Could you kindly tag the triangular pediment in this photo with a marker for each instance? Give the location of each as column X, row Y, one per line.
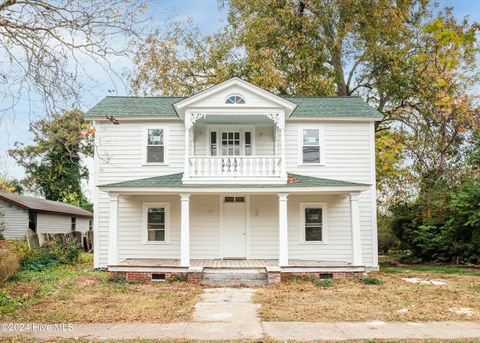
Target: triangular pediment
column 215, row 98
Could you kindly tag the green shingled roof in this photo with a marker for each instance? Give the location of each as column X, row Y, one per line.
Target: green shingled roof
column 307, row 107
column 175, row 180
column 332, row 106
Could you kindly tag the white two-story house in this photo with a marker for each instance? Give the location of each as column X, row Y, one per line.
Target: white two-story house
column 234, row 177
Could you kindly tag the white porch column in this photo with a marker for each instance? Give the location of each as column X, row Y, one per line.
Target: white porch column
column 113, row 230
column 356, row 235
column 283, row 230
column 186, row 171
column 283, row 167
column 185, row 231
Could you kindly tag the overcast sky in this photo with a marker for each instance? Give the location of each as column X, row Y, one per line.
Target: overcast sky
column 205, row 14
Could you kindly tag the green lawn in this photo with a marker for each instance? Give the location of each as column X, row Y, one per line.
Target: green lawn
column 432, row 269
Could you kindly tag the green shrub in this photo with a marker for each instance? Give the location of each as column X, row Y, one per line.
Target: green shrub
column 38, row 259
column 371, row 281
column 324, row 282
column 476, row 288
column 67, row 253
column 19, row 247
column 50, row 255
column 8, row 265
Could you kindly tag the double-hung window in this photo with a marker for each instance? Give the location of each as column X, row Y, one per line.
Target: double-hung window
column 156, row 221
column 312, row 146
column 155, row 145
column 313, row 222
column 73, row 224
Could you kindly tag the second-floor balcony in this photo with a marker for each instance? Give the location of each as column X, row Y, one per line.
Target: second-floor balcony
column 236, row 167
column 221, row 150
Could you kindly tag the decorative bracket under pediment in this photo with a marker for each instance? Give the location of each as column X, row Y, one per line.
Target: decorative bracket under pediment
column 192, row 118
column 277, row 118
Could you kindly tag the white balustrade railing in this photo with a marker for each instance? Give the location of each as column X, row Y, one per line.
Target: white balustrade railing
column 235, row 166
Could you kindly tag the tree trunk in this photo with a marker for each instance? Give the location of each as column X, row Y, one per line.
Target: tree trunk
column 338, row 70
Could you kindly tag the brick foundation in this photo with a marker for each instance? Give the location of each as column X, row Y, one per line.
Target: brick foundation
column 324, row 275
column 274, row 277
column 142, row 276
column 195, row 278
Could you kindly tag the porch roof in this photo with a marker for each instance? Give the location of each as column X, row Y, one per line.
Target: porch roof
column 307, row 107
column 175, row 181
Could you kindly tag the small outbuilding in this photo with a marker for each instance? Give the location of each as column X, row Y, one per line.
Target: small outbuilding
column 19, row 213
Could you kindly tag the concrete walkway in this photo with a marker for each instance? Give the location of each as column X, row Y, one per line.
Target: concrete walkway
column 228, row 313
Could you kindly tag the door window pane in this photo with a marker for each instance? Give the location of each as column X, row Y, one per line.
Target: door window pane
column 213, row 143
column 231, row 143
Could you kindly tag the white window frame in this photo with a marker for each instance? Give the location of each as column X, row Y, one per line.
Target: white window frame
column 221, row 128
column 165, row 145
column 323, row 206
column 235, row 104
column 321, row 141
column 166, row 206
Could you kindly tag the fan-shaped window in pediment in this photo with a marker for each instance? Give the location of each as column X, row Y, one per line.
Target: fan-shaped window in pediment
column 235, row 99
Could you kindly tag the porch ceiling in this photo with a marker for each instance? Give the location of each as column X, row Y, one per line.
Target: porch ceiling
column 234, row 119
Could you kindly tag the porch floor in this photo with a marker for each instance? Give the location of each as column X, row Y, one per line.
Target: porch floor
column 228, row 263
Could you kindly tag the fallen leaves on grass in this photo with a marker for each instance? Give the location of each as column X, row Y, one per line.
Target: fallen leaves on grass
column 349, row 300
column 86, row 300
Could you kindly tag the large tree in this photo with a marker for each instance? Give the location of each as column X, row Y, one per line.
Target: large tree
column 53, row 162
column 44, row 45
column 439, row 111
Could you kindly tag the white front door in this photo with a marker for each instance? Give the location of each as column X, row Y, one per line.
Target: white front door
column 234, row 231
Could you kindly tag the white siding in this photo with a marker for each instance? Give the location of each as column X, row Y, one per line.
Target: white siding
column 15, row 220
column 56, row 223
column 263, row 231
column 348, row 156
column 204, row 228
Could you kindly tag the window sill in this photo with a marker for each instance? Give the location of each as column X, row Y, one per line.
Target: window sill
column 310, row 164
column 154, row 164
column 156, row 242
column 313, row 242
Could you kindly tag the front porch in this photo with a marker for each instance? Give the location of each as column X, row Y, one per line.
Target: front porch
column 162, row 228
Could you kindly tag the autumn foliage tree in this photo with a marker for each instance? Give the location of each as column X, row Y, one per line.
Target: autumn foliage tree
column 414, row 62
column 440, row 112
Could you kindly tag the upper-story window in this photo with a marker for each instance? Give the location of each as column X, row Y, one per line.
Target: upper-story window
column 311, row 145
column 155, row 145
column 235, row 99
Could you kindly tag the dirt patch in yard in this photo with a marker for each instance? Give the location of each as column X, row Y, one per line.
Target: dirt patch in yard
column 23, row 290
column 394, row 300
